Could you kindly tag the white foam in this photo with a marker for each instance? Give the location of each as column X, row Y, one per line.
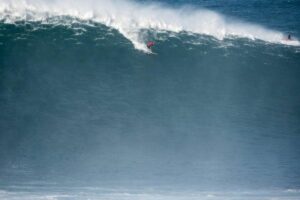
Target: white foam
column 130, row 17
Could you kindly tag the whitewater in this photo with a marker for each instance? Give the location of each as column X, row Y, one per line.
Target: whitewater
column 130, row 18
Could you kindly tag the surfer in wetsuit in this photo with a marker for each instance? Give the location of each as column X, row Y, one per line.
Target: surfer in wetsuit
column 289, row 37
column 150, row 44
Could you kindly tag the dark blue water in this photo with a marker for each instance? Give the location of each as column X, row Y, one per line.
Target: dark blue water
column 86, row 115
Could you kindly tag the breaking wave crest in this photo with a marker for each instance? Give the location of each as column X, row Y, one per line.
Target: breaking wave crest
column 130, row 18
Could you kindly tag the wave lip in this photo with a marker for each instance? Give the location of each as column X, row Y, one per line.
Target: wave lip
column 130, row 18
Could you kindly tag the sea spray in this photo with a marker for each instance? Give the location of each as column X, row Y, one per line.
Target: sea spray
column 130, row 17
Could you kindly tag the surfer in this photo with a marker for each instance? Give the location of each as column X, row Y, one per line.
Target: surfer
column 150, row 44
column 288, row 38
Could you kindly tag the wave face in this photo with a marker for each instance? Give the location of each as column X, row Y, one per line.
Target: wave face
column 86, row 114
column 130, row 18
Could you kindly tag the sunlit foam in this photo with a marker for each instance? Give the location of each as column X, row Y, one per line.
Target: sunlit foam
column 130, row 17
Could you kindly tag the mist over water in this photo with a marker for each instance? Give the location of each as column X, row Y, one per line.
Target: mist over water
column 85, row 114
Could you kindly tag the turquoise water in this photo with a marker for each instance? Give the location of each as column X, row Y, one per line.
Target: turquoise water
column 212, row 112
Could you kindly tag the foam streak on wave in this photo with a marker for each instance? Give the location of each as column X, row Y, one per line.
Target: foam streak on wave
column 129, row 18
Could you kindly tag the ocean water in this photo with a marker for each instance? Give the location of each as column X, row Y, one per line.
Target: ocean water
column 212, row 111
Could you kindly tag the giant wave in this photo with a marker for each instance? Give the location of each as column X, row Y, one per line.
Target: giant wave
column 83, row 114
